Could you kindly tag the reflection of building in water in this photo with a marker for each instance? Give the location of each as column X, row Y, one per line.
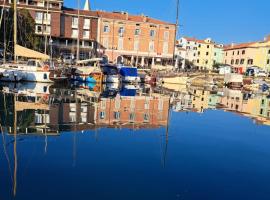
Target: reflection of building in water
column 250, row 105
column 137, row 111
column 80, row 109
column 200, row 99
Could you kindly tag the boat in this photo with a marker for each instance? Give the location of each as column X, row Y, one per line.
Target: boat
column 129, row 74
column 110, row 73
column 233, row 80
column 85, row 72
column 34, row 70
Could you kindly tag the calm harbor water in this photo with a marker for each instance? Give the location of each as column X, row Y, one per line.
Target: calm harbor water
column 102, row 142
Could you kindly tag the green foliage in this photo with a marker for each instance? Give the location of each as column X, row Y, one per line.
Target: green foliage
column 216, row 66
column 25, row 31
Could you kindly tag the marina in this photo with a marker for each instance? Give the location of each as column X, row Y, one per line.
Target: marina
column 134, row 101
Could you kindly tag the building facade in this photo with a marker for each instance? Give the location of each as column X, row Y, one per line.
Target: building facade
column 203, row 54
column 242, row 56
column 135, row 40
column 120, row 37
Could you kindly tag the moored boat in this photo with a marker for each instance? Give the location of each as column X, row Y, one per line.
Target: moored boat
column 129, row 74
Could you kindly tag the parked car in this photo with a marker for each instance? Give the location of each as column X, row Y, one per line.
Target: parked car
column 261, row 73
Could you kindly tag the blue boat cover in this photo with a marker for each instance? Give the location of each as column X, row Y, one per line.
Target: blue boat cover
column 128, row 92
column 129, row 71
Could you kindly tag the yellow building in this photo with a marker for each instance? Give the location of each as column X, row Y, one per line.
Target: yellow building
column 205, row 54
column 262, row 56
column 244, row 55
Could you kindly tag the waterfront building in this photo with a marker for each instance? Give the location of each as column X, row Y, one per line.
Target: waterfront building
column 244, row 55
column 119, row 36
column 203, row 54
column 138, row 111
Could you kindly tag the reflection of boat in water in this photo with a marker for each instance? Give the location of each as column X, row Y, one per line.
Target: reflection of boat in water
column 85, row 72
column 129, row 90
column 129, row 74
column 110, row 73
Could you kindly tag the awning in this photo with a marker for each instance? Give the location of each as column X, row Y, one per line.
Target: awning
column 28, row 53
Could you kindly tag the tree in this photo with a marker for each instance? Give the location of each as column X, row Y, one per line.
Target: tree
column 25, row 32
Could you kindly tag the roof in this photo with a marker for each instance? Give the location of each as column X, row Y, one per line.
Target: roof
column 239, row 46
column 117, row 16
column 191, row 39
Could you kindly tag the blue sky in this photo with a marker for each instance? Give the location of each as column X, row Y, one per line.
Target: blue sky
column 225, row 21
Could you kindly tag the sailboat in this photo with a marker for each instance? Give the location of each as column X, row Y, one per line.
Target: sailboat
column 35, row 70
column 87, row 71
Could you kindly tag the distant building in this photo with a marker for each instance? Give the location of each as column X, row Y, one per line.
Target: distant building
column 244, row 55
column 203, row 54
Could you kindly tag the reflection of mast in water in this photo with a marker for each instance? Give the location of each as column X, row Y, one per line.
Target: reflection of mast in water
column 15, row 149
column 166, row 138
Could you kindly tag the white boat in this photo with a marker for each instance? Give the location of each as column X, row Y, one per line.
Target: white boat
column 32, row 71
column 11, row 75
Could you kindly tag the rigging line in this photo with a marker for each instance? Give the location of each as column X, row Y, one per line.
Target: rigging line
column 2, row 13
column 5, row 151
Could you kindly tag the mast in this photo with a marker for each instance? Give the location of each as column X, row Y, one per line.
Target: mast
column 46, row 37
column 15, row 28
column 78, row 38
column 176, row 29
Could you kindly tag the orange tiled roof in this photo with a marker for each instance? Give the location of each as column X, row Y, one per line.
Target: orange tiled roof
column 238, row 46
column 117, row 16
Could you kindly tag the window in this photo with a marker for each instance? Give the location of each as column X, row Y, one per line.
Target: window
column 74, row 33
column 106, row 29
column 207, row 53
column 215, row 54
column 120, row 44
column 233, row 53
column 39, row 16
column 151, row 46
column 194, row 54
column 86, row 34
column 237, row 61
column 238, row 52
column 199, row 45
column 47, row 17
column 160, row 104
column 166, row 35
column 208, row 46
column 242, row 61
column 75, row 22
column 152, row 33
column 106, row 43
column 250, row 62
column 137, row 31
column 269, row 51
column 268, row 61
column 38, row 28
column 121, row 31
column 86, row 24
column 132, row 116
column 232, row 61
column 199, row 53
column 226, row 53
column 165, row 48
column 225, row 61
column 102, row 115
column 136, row 45
column 243, row 52
column 45, row 76
column 147, row 104
column 146, row 117
column 206, row 62
column 198, row 61
column 117, row 115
